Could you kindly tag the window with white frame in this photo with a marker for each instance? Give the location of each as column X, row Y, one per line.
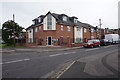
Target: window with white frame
column 75, row 20
column 49, row 22
column 78, row 29
column 64, row 18
column 97, row 30
column 61, row 27
column 92, row 37
column 92, row 30
column 68, row 36
column 29, row 32
column 33, row 22
column 85, row 30
column 39, row 19
column 36, row 29
column 68, row 28
column 39, row 28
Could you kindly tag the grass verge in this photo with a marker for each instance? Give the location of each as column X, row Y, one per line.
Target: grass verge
column 10, row 46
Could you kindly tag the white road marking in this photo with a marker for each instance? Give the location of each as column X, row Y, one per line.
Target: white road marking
column 55, row 55
column 108, row 46
column 67, row 53
column 70, row 53
column 73, row 52
column 92, row 49
column 15, row 61
column 65, row 69
column 27, row 59
column 61, row 54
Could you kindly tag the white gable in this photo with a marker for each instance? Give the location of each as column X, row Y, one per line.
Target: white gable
column 45, row 24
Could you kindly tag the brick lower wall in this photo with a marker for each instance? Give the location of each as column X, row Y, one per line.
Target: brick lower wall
column 56, row 34
column 77, row 44
column 22, row 44
column 31, row 44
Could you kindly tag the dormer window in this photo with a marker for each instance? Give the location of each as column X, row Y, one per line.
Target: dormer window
column 33, row 22
column 97, row 30
column 92, row 30
column 64, row 18
column 75, row 20
column 39, row 19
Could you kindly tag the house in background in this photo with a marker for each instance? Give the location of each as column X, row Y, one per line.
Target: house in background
column 111, row 31
column 89, row 32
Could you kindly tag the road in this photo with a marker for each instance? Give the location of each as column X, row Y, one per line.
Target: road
column 43, row 65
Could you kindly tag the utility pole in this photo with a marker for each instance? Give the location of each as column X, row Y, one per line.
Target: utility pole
column 14, row 29
column 100, row 27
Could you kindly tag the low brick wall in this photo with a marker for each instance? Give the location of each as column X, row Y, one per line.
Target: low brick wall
column 31, row 44
column 21, row 44
column 77, row 44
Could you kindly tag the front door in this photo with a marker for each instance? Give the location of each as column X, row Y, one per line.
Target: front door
column 49, row 41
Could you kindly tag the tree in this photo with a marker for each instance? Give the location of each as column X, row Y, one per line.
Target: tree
column 7, row 31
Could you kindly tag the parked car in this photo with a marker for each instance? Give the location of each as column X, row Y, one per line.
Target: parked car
column 104, row 42
column 92, row 43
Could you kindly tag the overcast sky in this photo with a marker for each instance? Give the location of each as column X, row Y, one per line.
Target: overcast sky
column 87, row 11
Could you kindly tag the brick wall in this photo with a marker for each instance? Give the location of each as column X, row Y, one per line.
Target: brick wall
column 55, row 33
column 86, row 34
column 64, row 33
column 95, row 34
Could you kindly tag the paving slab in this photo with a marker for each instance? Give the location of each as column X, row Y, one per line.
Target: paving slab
column 37, row 49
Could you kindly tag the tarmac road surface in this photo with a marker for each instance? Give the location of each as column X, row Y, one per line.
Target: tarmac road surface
column 43, row 65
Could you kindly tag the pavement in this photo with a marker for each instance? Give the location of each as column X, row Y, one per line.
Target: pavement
column 101, row 65
column 36, row 49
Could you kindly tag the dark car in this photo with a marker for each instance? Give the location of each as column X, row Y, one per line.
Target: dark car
column 104, row 42
column 92, row 43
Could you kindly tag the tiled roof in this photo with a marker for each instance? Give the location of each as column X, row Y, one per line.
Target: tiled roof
column 60, row 21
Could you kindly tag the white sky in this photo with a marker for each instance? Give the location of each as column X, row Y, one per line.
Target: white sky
column 87, row 11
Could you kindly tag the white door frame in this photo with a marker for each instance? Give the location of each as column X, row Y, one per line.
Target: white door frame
column 48, row 41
